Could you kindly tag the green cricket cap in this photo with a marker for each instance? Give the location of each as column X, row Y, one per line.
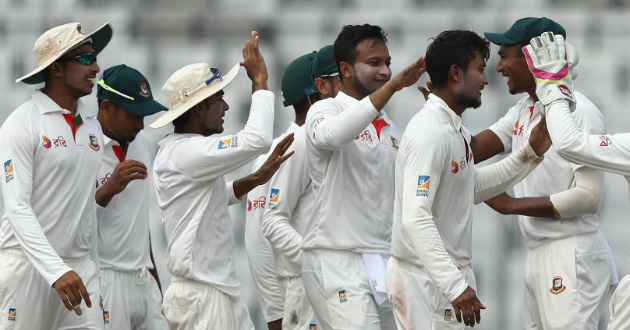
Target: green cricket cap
column 523, row 30
column 296, row 82
column 324, row 64
column 120, row 84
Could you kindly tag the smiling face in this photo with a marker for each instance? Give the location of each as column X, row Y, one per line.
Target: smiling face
column 474, row 80
column 79, row 78
column 513, row 67
column 370, row 70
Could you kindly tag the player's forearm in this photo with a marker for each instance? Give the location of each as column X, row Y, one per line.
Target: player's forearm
column 532, row 206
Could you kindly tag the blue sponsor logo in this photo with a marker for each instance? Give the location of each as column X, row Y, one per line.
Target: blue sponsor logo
column 424, row 181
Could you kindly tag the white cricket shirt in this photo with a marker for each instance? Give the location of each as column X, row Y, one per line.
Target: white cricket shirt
column 193, row 195
column 49, row 182
column 554, row 174
column 352, row 169
column 123, row 225
column 289, row 207
column 437, row 185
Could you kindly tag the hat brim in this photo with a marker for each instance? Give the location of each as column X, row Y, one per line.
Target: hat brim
column 100, row 39
column 146, row 108
column 196, row 98
column 499, row 39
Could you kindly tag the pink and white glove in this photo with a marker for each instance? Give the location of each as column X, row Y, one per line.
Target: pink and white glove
column 547, row 60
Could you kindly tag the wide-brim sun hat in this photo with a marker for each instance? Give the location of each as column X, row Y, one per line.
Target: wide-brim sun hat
column 191, row 85
column 58, row 41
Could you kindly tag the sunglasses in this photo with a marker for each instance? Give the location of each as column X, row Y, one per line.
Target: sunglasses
column 216, row 74
column 101, row 82
column 86, row 58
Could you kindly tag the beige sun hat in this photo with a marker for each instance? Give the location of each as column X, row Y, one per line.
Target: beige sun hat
column 190, row 85
column 56, row 42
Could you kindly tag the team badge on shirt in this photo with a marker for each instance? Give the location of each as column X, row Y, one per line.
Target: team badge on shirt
column 423, row 185
column 343, row 296
column 12, row 314
column 8, row 170
column 556, row 285
column 46, row 144
column 228, row 143
column 106, row 316
column 274, row 197
column 94, row 143
column 448, row 315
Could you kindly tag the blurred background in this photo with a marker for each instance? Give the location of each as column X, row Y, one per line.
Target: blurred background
column 159, row 36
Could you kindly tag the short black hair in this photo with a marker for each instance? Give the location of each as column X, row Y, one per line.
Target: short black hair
column 453, row 47
column 345, row 47
column 182, row 120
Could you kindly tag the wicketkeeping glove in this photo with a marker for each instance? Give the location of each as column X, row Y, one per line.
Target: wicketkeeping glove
column 572, row 58
column 546, row 59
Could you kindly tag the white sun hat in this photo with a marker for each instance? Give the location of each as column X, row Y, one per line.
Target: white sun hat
column 189, row 86
column 58, row 41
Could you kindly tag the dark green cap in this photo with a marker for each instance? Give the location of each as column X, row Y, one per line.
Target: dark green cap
column 523, row 30
column 296, row 81
column 129, row 82
column 324, row 63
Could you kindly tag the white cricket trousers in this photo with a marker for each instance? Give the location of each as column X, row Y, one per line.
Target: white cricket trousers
column 417, row 302
column 28, row 302
column 338, row 287
column 620, row 306
column 298, row 313
column 191, row 305
column 131, row 301
column 262, row 266
column 566, row 283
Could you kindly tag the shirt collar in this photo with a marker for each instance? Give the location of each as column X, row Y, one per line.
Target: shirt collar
column 436, row 102
column 46, row 104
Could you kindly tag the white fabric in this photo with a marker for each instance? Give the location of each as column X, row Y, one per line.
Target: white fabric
column 584, row 198
column 298, row 313
column 352, row 170
column 123, row 226
column 417, row 302
column 565, row 283
column 289, row 207
column 338, row 287
column 609, row 152
column 375, row 265
column 190, row 305
column 260, row 254
column 48, row 172
column 131, row 301
column 193, row 196
column 555, row 174
column 436, row 186
column 27, row 301
column 620, row 306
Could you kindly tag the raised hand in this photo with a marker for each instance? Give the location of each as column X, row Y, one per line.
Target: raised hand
column 277, row 157
column 547, row 60
column 410, row 74
column 254, row 63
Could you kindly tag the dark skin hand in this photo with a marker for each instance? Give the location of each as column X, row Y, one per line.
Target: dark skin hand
column 124, row 173
column 244, row 185
column 426, row 90
column 539, row 139
column 71, row 290
column 467, row 308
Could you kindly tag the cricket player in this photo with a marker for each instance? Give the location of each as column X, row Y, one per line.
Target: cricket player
column 193, row 195
column 430, row 282
column 129, row 283
column 351, row 145
column 290, row 198
column 546, row 58
column 52, row 150
column 556, row 204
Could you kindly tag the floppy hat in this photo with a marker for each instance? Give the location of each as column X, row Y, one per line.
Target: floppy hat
column 126, row 86
column 296, row 82
column 523, row 30
column 190, row 85
column 56, row 42
column 324, row 63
